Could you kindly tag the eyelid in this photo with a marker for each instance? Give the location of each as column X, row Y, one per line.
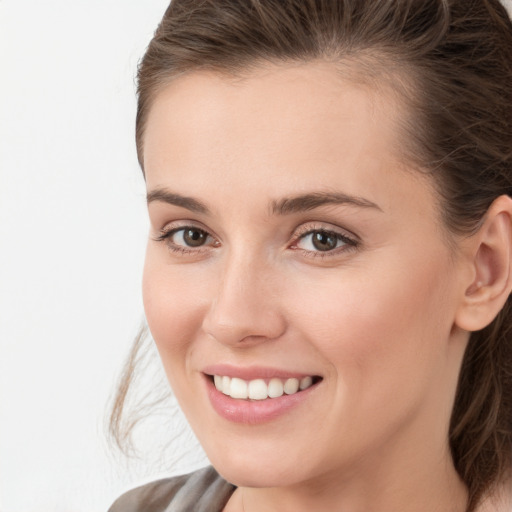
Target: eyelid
column 309, row 227
column 174, row 226
column 170, row 229
column 350, row 239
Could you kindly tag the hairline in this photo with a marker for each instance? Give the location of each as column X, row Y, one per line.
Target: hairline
column 377, row 70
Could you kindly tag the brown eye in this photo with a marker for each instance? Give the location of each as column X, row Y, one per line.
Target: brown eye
column 187, row 238
column 320, row 240
column 194, row 237
column 323, row 241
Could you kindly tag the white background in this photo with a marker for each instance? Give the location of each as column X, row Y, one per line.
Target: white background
column 72, row 240
column 72, row 236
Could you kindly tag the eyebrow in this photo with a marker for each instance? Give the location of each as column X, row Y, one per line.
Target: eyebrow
column 166, row 196
column 285, row 206
column 314, row 200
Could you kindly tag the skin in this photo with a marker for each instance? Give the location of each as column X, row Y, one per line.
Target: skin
column 381, row 318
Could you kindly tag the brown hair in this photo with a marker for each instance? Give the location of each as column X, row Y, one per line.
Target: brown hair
column 457, row 54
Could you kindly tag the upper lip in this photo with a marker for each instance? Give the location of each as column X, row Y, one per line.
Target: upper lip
column 253, row 372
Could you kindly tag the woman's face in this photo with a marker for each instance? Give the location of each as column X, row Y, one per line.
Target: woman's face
column 288, row 241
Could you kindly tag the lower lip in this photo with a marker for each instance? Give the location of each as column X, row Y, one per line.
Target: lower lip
column 252, row 412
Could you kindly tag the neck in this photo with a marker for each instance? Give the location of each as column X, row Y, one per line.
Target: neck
column 439, row 490
column 413, row 471
column 446, row 494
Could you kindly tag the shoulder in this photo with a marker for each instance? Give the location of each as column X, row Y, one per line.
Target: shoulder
column 201, row 491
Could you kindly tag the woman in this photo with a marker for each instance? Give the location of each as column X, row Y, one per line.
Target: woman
column 328, row 268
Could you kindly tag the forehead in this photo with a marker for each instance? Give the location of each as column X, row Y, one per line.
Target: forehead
column 275, row 123
column 307, row 101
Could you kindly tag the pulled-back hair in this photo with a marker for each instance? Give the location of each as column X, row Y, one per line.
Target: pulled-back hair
column 451, row 62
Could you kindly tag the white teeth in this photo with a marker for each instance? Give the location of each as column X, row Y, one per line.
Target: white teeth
column 275, row 388
column 305, row 383
column 238, row 388
column 258, row 389
column 226, row 384
column 291, row 386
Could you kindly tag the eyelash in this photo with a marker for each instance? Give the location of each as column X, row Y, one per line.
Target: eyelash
column 167, row 233
column 349, row 243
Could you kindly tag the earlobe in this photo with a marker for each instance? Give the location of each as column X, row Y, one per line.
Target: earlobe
column 491, row 253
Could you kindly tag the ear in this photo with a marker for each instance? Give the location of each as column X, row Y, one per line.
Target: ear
column 490, row 252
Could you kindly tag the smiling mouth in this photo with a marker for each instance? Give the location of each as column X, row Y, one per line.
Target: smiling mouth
column 261, row 389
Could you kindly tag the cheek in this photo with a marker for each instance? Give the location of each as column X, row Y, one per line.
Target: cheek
column 382, row 328
column 173, row 313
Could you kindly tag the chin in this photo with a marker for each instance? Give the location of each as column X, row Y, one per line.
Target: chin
column 258, row 463
column 244, row 474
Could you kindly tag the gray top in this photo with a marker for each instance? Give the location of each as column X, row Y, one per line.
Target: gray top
column 202, row 491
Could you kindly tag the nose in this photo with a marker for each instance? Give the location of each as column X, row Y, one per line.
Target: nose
column 245, row 305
